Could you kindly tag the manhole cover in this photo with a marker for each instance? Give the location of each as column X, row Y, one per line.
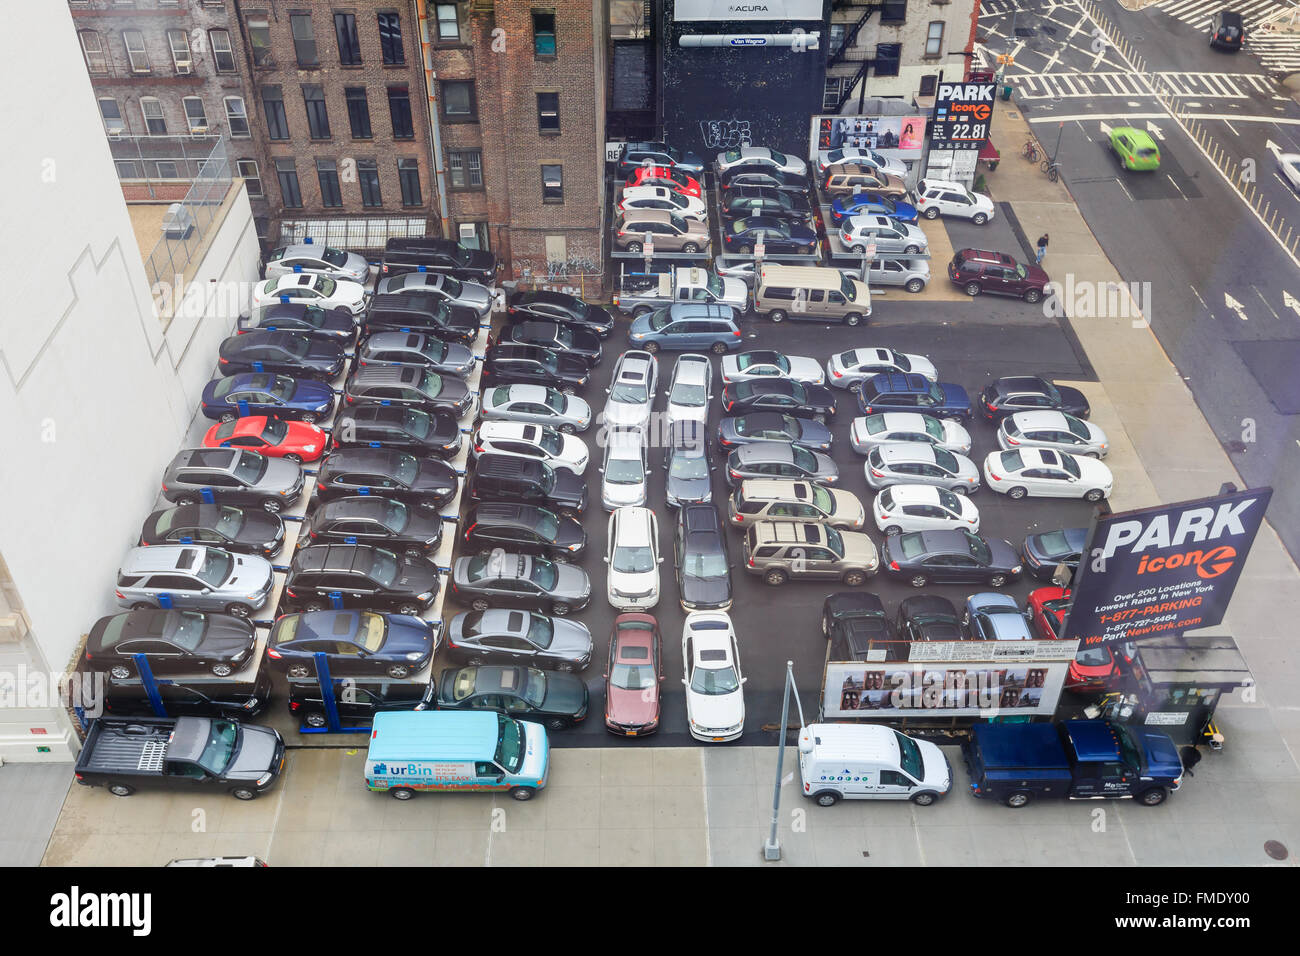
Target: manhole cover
column 1276, row 850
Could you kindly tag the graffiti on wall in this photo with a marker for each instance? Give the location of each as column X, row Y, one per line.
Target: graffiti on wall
column 724, row 133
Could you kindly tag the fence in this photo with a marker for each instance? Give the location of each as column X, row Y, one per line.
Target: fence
column 366, row 235
column 207, row 191
column 159, row 168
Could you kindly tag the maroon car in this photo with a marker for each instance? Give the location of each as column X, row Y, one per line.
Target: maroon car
column 633, row 675
column 977, row 270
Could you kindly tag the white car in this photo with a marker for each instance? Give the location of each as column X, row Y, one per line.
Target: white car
column 765, row 363
column 316, row 259
column 632, row 390
column 715, row 694
column 1044, row 473
column 847, row 369
column 535, row 403
column 761, row 157
column 624, row 474
column 924, row 508
column 861, row 156
column 632, row 553
column 689, row 394
column 935, row 197
column 657, row 197
column 526, row 440
column 308, row 289
column 886, row 428
column 1056, row 430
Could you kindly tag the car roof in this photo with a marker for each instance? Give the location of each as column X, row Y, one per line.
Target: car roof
column 646, row 215
column 692, row 372
column 635, row 527
column 789, row 532
column 523, row 431
column 906, row 451
column 634, row 364
column 388, row 375
column 624, row 443
column 433, row 735
column 345, row 458
column 223, row 458
column 700, row 518
column 926, row 604
column 333, row 557
column 985, row 256
column 900, row 382
column 909, row 494
column 944, row 542
column 1044, row 418
column 784, row 489
column 701, row 310
column 165, row 557
column 1020, row 383
column 765, row 451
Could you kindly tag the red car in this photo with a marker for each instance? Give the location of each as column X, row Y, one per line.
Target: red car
column 1093, row 668
column 273, row 437
column 673, row 179
column 633, row 675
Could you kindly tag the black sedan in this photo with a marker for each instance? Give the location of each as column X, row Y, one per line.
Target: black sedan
column 510, row 364
column 245, row 530
column 780, row 236
column 764, row 200
column 413, row 348
column 503, row 636
column 356, row 643
column 392, row 426
column 703, row 566
column 1043, row 552
column 749, row 175
column 371, row 519
column 780, row 395
column 335, row 325
column 556, row 700
column 556, row 336
column 950, row 557
column 928, row 617
column 170, row 641
column 735, row 430
column 1030, row 393
column 534, row 305
column 292, row 353
column 427, row 482
column 856, row 624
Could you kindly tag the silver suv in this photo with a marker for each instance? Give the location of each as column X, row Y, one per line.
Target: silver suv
column 232, row 476
column 194, row 578
column 780, row 550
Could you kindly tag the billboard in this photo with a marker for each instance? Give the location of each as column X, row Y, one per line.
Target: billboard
column 1163, row 570
column 943, row 689
column 752, row 11
column 897, row 137
column 963, row 113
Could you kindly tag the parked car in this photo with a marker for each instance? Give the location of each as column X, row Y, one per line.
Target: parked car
column 1094, row 667
column 1056, row 430
column 1047, row 549
column 413, row 348
column 1043, row 473
column 458, row 292
column 1227, row 30
column 777, row 459
column 511, row 478
column 976, row 271
column 624, row 472
column 573, row 340
column 368, row 697
column 172, row 641
column 433, row 254
column 632, row 554
column 780, row 394
column 232, row 476
column 375, row 520
column 639, row 292
column 261, row 393
column 529, row 365
column 536, row 442
column 391, row 472
column 244, row 530
column 751, row 174
column 765, row 201
column 736, row 430
column 499, row 577
column 950, row 557
column 1021, row 393
column 356, row 643
column 848, row 369
column 764, row 499
column 916, row 507
column 857, row 204
column 863, row 761
column 761, row 157
column 230, row 699
column 670, row 177
column 911, row 274
column 862, row 157
column 532, row 305
column 715, row 693
column 649, row 155
column 700, row 553
column 558, row 701
column 662, row 198
column 535, row 403
column 897, row 392
column 337, row 325
column 935, row 197
column 518, row 637
column 767, row 363
column 317, row 290
column 316, row 259
column 690, row 471
column 415, row 430
column 779, row 236
column 408, row 386
column 780, row 550
column 291, row 353
column 920, row 463
column 422, row 313
column 632, row 390
column 270, row 437
column 888, row 235
column 686, row 326
column 844, row 179
column 855, row 624
column 890, row 428
column 671, row 232
column 927, row 617
column 526, row 528
column 360, row 576
column 633, row 674
column 193, row 578
column 691, row 389
column 1134, row 148
column 991, row 616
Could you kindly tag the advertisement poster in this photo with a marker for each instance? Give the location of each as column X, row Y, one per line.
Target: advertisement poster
column 942, row 689
column 897, row 137
column 1163, row 570
column 963, row 113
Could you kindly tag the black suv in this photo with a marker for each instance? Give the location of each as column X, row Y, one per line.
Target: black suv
column 370, row 519
column 764, row 176
column 409, row 386
column 1030, row 393
column 512, row 478
column 421, row 312
column 742, row 201
column 282, row 352
column 246, row 530
column 427, row 482
column 364, row 699
column 525, row 528
column 1227, row 30
column 360, row 576
column 530, row 364
column 977, row 270
column 703, row 566
column 928, row 617
column 856, row 625
column 555, row 336
column 336, row 325
column 438, row 255
column 398, row 426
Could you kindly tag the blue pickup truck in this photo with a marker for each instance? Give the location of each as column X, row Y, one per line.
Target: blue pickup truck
column 1077, row 759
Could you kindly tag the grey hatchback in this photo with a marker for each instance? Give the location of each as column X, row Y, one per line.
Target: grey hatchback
column 232, row 476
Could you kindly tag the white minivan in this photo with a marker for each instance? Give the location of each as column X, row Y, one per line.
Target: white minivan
column 869, row 761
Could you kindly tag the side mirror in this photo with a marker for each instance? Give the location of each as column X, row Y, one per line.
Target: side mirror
column 605, row 559
column 683, row 680
column 744, row 680
column 206, row 591
column 661, row 560
column 606, row 391
column 600, row 471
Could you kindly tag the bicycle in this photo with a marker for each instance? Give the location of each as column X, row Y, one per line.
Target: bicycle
column 1030, row 151
column 1052, row 169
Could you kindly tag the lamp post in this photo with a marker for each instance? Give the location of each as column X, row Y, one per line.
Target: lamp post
column 772, row 848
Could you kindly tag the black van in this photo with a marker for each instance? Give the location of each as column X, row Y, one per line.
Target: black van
column 358, row 700
column 512, row 478
column 421, row 312
column 189, row 697
column 438, row 255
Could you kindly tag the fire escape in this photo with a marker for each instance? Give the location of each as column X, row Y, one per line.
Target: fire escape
column 885, row 58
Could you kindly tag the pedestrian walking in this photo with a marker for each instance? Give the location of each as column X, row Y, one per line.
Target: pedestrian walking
column 1042, row 248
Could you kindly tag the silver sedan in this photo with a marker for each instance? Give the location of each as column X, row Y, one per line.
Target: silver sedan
column 469, row 295
column 317, row 259
column 536, row 403
column 1055, row 430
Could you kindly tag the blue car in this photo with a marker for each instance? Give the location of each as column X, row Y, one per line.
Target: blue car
column 780, row 236
column 690, row 326
column 901, row 392
column 259, row 393
column 870, row 204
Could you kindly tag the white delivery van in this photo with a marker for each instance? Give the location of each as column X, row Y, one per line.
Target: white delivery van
column 412, row 751
column 865, row 761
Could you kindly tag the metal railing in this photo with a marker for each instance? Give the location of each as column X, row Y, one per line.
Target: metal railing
column 208, row 188
column 364, row 234
column 152, row 163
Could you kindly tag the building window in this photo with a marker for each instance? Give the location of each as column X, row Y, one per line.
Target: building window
column 448, row 25
column 92, row 47
column 345, row 32
column 390, row 37
column 833, row 91
column 835, row 37
column 358, row 111
column 934, row 39
column 893, row 11
column 466, row 167
column 287, row 171
column 473, row 235
column 151, row 110
column 399, row 107
column 237, row 117
column 195, row 115
column 304, row 40
column 552, row 183
column 368, row 177
column 328, row 174
column 166, row 169
column 252, row 176
column 458, row 101
column 548, row 112
column 408, row 174
column 543, row 33
column 126, row 169
column 318, row 120
column 135, row 52
column 887, row 57
column 179, row 42
column 223, row 55
column 277, row 124
column 928, row 83
column 259, row 39
column 112, row 114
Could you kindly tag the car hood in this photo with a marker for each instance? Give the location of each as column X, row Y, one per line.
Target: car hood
column 716, row 710
column 250, row 573
column 407, row 635
column 937, row 770
column 422, row 525
column 257, row 748
column 1003, row 554
column 1035, row 275
column 1091, row 471
column 705, row 591
column 621, row 414
column 417, row 575
column 280, row 474
column 956, row 436
column 826, row 467
column 954, row 396
column 1160, row 752
column 858, row 549
column 453, row 389
column 848, row 506
column 807, row 369
column 620, row 495
column 357, row 266
column 632, row 706
column 349, row 292
column 571, row 582
column 309, row 392
column 435, row 475
column 226, row 636
column 569, row 489
column 261, row 527
column 570, row 639
column 565, row 694
column 569, row 532
column 689, row 489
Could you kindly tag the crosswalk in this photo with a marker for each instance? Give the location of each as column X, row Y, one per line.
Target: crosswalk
column 1279, row 51
column 1031, row 86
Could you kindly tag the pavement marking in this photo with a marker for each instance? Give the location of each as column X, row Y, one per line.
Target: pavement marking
column 1154, row 130
column 1121, row 185
column 1235, row 306
column 1229, row 125
column 1291, row 302
column 1192, row 288
column 1265, row 301
column 708, row 829
column 1175, row 185
column 1054, row 118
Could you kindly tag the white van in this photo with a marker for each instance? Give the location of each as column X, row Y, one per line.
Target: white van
column 869, row 761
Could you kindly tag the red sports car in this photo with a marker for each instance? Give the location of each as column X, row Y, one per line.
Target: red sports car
column 633, row 675
column 667, row 177
column 1093, row 668
column 273, row 437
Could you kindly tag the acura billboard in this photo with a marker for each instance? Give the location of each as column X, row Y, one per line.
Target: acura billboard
column 1163, row 570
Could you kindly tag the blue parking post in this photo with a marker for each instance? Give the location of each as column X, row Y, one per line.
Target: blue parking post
column 165, row 601
column 336, row 600
column 150, row 685
column 257, row 367
column 206, row 495
column 243, row 408
column 327, row 692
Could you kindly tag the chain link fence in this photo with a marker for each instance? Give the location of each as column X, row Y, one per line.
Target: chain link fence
column 189, row 220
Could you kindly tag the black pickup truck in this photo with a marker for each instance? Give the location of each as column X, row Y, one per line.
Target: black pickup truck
column 183, row 753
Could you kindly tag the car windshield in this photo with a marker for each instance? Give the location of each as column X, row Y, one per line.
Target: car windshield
column 1148, row 152
column 933, row 428
column 370, row 631
column 690, row 396
column 658, row 319
column 274, row 431
column 1093, row 657
column 563, row 338
column 835, row 541
column 383, row 568
column 550, row 441
column 948, row 502
column 406, row 469
column 220, row 747
column 547, row 525
column 249, row 468
column 803, row 458
column 326, row 286
column 715, row 681
column 935, row 392
column 947, row 461
column 849, row 288
column 395, row 515
column 229, row 521
column 555, row 399
column 633, row 676
column 435, row 350
column 541, row 631
column 335, row 257
column 1011, row 461
column 978, row 549
column 822, row 498
column 731, row 155
column 416, row 423
column 1070, row 465
column 633, row 560
column 510, row 745
column 715, row 286
column 632, row 392
column 675, row 198
column 704, row 565
column 113, row 631
column 739, row 226
column 452, row 287
column 189, row 628
column 297, row 345
column 431, row 384
column 678, row 222
column 909, row 757
column 544, row 573
column 778, row 158
column 534, row 689
column 1077, row 428
column 685, row 465
column 216, row 567
column 624, row 471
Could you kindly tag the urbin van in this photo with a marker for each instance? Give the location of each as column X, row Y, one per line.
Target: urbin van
column 814, row 293
column 438, row 750
column 868, row 761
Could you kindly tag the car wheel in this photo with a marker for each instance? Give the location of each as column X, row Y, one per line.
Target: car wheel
column 239, row 610
column 1021, row 798
column 805, row 250
column 997, row 580
column 826, row 628
column 1153, row 797
column 568, row 390
column 1017, row 493
column 892, row 529
column 651, row 347
column 641, row 310
column 522, row 793
column 979, row 219
column 855, row 579
column 244, row 793
column 119, row 672
column 912, row 250
column 914, row 285
column 1094, row 494
column 120, row 790
column 313, row 606
column 973, row 288
column 316, row 720
column 561, row 609
column 633, row 247
column 567, row 428
column 718, row 348
column 227, row 417
column 1033, row 295
column 222, row 670
column 184, row 500
column 410, row 610
column 272, row 505
column 299, row 670
column 690, row 247
column 556, row 723
column 414, row 552
column 827, row 798
column 859, row 249
column 924, row 798
column 399, row 671
column 402, row 793
column 932, row 212
column 475, row 660
column 564, row 667
column 777, row 315
column 745, row 250
column 297, row 458
column 776, row 577
column 480, row 604
column 852, row 319
column 918, row 581
column 309, row 418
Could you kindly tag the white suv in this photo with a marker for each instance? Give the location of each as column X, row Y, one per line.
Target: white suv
column 689, row 393
column 525, row 440
column 632, row 553
column 632, row 390
column 715, row 693
column 936, row 196
column 623, row 480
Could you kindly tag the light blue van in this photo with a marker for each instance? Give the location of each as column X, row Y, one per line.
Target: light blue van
column 412, row 751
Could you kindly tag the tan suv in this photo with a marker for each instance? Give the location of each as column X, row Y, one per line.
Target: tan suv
column 844, row 179
column 810, row 294
column 780, row 550
column 671, row 232
column 783, row 499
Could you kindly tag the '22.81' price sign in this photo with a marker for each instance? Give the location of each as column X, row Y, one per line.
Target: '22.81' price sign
column 963, row 113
